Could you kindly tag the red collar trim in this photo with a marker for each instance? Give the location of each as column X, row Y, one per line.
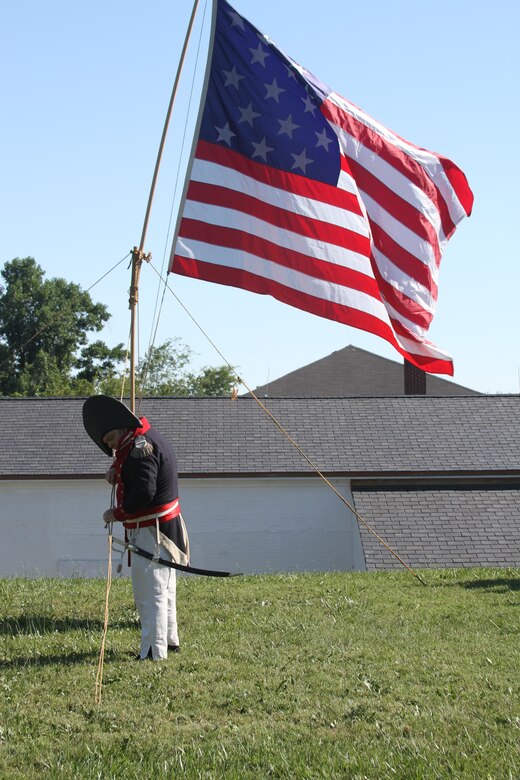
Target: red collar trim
column 128, row 437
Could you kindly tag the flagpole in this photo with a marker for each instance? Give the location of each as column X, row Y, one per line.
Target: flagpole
column 138, row 253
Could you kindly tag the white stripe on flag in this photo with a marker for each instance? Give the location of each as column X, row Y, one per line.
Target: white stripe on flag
column 418, row 247
column 393, row 179
column 404, row 282
column 428, row 160
column 238, row 259
column 424, row 348
column 313, row 248
column 223, row 176
column 415, row 330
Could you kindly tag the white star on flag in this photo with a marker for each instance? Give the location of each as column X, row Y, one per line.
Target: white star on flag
column 232, row 77
column 301, row 161
column 225, row 134
column 259, row 55
column 287, row 126
column 261, row 149
column 247, row 114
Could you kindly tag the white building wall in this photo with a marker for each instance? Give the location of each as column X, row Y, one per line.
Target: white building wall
column 54, row 528
column 269, row 524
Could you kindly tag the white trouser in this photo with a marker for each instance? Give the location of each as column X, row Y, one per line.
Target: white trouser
column 154, row 589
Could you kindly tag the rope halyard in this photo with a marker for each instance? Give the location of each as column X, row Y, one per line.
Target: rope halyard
column 99, row 675
column 291, row 440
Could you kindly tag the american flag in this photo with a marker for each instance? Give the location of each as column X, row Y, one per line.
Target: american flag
column 295, row 192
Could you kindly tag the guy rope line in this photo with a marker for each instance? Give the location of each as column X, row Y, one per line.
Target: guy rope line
column 290, row 438
column 108, row 272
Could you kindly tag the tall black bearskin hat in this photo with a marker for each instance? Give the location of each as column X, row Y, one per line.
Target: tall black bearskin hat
column 102, row 413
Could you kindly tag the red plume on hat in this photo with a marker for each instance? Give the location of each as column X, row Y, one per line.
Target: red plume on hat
column 102, row 413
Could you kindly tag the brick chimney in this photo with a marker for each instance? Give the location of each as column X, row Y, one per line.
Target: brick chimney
column 414, row 380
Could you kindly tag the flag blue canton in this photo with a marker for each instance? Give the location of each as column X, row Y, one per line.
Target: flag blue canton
column 259, row 105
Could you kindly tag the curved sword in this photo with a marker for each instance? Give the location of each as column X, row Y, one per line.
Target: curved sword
column 172, row 565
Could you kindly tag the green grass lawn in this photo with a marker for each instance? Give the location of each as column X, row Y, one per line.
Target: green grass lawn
column 293, row 676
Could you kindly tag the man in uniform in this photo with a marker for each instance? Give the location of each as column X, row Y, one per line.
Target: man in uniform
column 144, row 473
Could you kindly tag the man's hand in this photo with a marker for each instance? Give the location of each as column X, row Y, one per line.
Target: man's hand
column 110, row 475
column 108, row 516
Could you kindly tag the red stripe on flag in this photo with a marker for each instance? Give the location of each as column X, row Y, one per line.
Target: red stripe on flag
column 241, row 241
column 322, row 308
column 397, row 207
column 280, row 216
column 403, row 305
column 281, row 180
column 300, row 300
column 404, row 260
column 459, row 183
column 429, row 364
column 399, row 160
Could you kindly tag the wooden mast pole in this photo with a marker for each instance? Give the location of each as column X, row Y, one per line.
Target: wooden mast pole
column 138, row 253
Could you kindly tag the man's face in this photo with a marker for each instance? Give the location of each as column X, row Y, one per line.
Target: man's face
column 111, row 438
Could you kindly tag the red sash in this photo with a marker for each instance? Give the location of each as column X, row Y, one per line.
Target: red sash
column 150, row 515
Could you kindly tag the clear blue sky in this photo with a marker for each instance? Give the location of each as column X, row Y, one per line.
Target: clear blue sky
column 85, row 88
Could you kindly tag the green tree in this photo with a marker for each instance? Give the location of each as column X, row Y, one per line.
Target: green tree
column 44, row 330
column 218, row 380
column 165, row 371
column 45, row 325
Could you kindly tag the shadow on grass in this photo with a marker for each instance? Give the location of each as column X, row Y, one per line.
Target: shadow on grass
column 498, row 584
column 25, row 625
column 64, row 659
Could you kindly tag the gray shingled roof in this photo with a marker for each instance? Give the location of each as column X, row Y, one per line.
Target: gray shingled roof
column 352, row 371
column 442, row 527
column 418, row 435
